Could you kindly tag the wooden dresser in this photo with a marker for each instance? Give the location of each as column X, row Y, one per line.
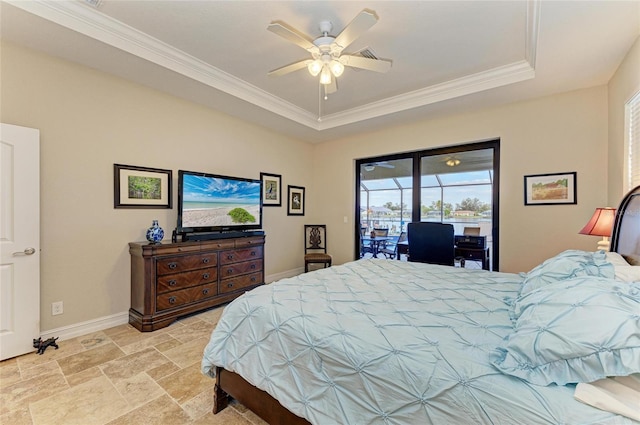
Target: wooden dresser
column 170, row 280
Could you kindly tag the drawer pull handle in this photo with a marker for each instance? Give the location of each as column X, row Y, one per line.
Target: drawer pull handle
column 172, row 300
column 172, row 282
column 253, row 266
column 230, row 271
column 205, row 291
column 253, row 253
column 230, row 257
column 230, row 285
column 205, row 276
column 253, row 279
column 173, row 265
column 205, row 260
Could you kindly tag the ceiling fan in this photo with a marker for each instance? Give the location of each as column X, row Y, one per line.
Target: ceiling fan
column 382, row 164
column 327, row 58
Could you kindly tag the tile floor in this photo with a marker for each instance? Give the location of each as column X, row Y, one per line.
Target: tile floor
column 118, row 376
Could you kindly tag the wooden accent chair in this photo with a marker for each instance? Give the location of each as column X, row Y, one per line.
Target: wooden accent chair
column 315, row 246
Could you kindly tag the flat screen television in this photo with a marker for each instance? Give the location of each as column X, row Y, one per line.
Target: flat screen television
column 216, row 203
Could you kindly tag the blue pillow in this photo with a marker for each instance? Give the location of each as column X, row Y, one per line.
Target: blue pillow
column 576, row 330
column 566, row 265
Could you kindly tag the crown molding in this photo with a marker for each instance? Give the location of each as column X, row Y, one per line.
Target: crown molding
column 86, row 20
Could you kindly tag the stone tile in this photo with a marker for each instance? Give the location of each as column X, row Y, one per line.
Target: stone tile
column 132, row 364
column 163, row 370
column 131, row 335
column 139, row 389
column 168, row 345
column 186, row 384
column 118, row 329
column 148, row 341
column 20, row 394
column 200, row 405
column 93, row 340
column 162, row 410
column 84, row 376
column 90, row 358
column 188, row 353
column 211, row 316
column 9, row 372
column 93, row 402
column 199, row 329
column 41, row 369
column 226, row 417
column 17, row 417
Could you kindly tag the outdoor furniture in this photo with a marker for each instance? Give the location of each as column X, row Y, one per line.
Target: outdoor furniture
column 376, row 243
column 315, row 246
column 391, row 249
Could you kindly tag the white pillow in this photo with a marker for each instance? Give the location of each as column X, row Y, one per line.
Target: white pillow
column 623, row 270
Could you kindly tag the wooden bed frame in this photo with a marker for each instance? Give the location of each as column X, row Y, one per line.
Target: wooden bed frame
column 625, row 240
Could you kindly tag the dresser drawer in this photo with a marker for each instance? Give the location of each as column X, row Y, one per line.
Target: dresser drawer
column 241, row 243
column 172, row 282
column 185, row 296
column 237, row 283
column 182, row 263
column 237, row 255
column 231, row 270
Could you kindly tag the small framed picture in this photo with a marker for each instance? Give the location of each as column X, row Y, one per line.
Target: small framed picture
column 295, row 200
column 550, row 189
column 141, row 187
column 271, row 189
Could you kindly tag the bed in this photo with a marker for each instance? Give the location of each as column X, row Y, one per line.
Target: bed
column 389, row 342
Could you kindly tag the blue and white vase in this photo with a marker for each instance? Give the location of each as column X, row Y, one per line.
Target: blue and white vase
column 155, row 233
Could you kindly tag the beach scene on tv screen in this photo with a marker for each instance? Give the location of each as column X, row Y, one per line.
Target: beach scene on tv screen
column 212, row 201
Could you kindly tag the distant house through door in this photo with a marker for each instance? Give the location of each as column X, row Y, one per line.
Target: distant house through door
column 457, row 185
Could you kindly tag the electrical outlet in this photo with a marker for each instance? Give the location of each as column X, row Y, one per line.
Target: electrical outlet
column 56, row 308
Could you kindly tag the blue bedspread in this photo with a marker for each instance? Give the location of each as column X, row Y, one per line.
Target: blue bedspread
column 387, row 342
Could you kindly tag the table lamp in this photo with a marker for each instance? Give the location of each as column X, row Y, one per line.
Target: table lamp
column 600, row 224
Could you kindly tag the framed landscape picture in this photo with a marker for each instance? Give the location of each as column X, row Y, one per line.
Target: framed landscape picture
column 271, row 189
column 550, row 189
column 295, row 200
column 141, row 187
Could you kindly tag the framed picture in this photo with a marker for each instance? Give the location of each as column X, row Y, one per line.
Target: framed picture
column 271, row 189
column 141, row 187
column 550, row 189
column 295, row 200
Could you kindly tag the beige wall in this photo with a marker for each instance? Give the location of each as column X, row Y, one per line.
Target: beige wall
column 561, row 133
column 622, row 86
column 88, row 121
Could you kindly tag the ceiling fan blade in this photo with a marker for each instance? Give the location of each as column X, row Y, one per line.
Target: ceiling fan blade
column 289, row 68
column 365, row 20
column 293, row 35
column 377, row 65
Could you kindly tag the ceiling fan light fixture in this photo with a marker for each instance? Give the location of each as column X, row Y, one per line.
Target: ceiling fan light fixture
column 325, row 76
column 315, row 67
column 337, row 68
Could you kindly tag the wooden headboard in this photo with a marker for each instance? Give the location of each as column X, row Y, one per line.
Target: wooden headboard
column 625, row 238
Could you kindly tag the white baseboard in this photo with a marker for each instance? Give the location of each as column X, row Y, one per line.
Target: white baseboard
column 84, row 328
column 102, row 323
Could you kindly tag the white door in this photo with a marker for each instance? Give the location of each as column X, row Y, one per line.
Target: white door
column 19, row 239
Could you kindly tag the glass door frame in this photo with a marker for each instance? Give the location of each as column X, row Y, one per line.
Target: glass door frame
column 417, row 156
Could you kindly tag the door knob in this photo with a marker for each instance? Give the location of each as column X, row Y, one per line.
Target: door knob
column 27, row 251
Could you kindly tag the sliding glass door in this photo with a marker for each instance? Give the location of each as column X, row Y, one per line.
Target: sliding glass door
column 457, row 185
